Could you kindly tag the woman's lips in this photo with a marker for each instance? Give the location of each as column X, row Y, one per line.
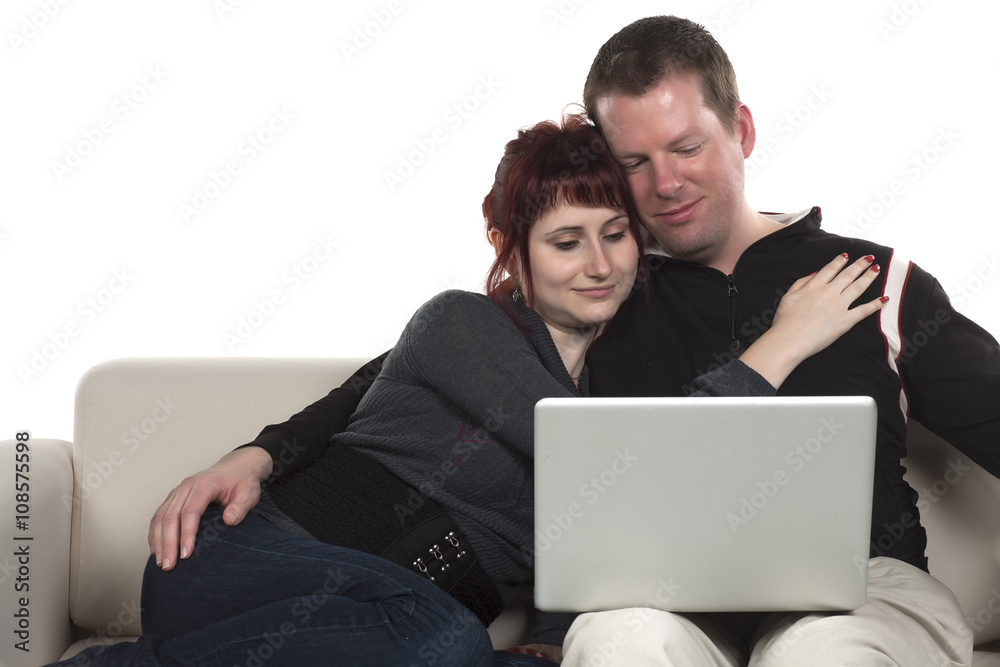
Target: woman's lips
column 596, row 292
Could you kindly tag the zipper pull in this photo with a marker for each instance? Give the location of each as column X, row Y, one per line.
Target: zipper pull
column 733, row 293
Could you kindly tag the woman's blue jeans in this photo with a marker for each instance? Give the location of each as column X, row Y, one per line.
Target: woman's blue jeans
column 253, row 595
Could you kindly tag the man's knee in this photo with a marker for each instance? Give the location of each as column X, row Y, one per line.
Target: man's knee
column 623, row 636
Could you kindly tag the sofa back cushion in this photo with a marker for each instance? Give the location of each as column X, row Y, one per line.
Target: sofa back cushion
column 141, row 426
column 958, row 508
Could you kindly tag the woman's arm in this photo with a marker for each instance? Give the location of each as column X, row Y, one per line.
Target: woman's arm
column 814, row 312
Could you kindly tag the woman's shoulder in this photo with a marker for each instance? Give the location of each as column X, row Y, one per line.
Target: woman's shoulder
column 457, row 324
column 452, row 297
column 453, row 306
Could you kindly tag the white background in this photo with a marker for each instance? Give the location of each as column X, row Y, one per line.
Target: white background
column 117, row 114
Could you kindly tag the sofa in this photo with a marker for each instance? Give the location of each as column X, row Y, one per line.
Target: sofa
column 71, row 570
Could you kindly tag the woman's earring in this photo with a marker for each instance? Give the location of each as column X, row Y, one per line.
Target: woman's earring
column 517, row 295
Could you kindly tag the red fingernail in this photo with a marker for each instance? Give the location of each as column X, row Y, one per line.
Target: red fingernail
column 869, row 258
column 845, row 255
column 883, row 299
column 876, row 268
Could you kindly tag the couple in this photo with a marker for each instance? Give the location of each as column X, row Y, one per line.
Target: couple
column 332, row 566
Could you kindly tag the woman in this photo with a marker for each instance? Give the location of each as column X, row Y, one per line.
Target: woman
column 398, row 540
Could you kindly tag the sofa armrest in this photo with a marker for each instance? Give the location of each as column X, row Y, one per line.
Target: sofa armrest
column 36, row 504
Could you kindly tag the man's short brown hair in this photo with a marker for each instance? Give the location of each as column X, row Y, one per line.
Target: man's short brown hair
column 643, row 53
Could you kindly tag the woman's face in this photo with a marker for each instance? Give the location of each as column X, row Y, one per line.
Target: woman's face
column 583, row 265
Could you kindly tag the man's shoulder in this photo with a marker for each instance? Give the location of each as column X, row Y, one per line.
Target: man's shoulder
column 803, row 232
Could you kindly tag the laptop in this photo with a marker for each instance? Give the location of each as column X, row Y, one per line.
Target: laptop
column 703, row 504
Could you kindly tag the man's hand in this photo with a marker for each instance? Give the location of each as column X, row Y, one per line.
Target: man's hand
column 233, row 482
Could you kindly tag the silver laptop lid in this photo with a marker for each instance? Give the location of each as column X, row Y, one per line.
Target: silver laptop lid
column 703, row 504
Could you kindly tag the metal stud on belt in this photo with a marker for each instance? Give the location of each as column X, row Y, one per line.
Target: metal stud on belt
column 453, row 541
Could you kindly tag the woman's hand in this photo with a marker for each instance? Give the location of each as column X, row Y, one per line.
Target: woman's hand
column 814, row 312
column 547, row 651
column 233, row 482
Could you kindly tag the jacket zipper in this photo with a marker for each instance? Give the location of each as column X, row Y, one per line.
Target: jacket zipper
column 733, row 293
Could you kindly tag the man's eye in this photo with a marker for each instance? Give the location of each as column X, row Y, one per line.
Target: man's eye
column 691, row 150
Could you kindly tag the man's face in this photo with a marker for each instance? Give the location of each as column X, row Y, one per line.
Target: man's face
column 684, row 166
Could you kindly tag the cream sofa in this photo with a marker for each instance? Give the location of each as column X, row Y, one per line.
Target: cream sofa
column 141, row 425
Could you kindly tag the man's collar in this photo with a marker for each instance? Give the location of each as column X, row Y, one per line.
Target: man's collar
column 653, row 247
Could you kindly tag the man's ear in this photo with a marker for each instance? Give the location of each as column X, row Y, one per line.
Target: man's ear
column 745, row 130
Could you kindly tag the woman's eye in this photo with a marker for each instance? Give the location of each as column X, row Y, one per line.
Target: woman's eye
column 633, row 166
column 566, row 245
column 617, row 236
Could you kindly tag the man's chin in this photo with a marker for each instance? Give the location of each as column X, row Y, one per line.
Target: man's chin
column 673, row 245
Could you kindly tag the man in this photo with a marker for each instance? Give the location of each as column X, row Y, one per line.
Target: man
column 664, row 94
